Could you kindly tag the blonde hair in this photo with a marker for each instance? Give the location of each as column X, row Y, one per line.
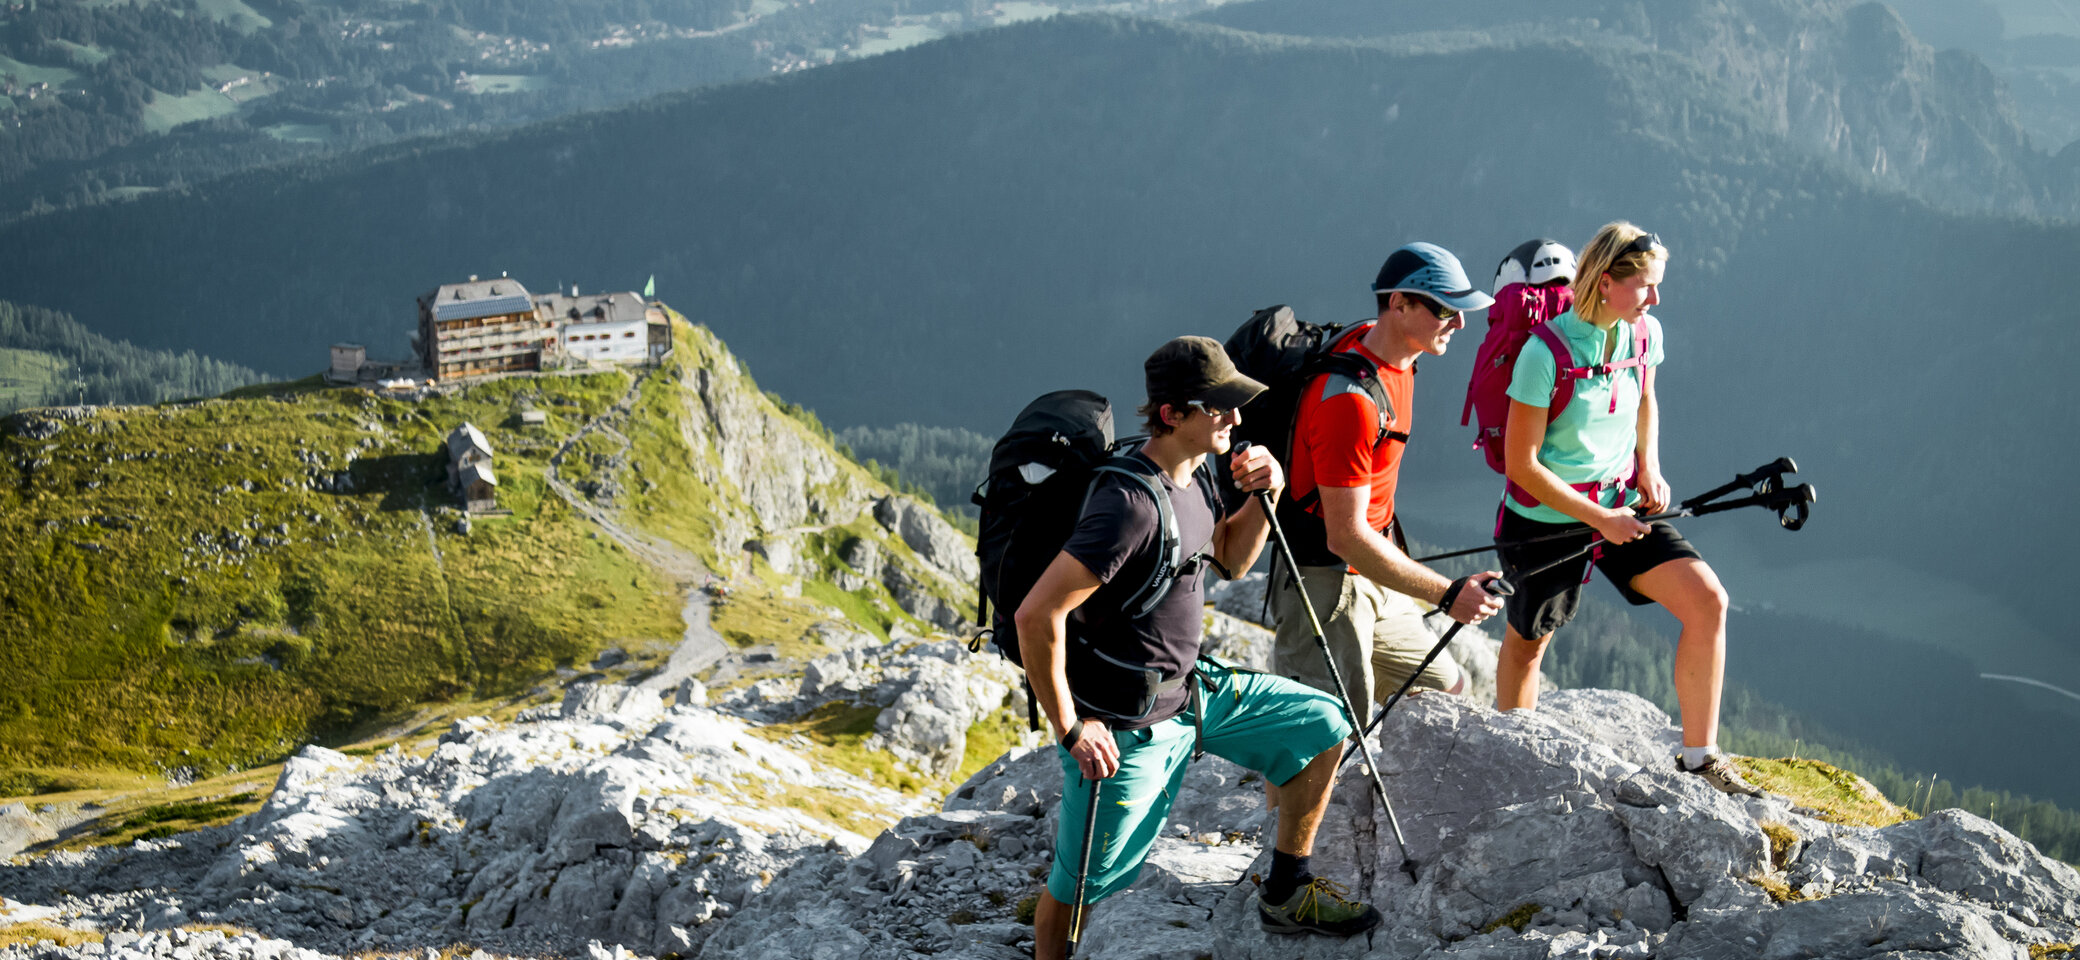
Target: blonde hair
column 1597, row 260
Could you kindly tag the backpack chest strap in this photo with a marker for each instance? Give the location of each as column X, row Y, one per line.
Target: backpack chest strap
column 1564, row 378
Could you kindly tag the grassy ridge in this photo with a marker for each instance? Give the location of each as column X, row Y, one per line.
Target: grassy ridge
column 210, row 585
column 176, row 593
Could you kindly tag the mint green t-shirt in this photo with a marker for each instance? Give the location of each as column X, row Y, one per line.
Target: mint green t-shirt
column 1588, row 441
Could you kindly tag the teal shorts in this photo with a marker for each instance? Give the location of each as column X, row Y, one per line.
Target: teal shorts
column 1266, row 723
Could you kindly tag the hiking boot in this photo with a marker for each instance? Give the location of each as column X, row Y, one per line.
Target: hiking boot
column 1720, row 773
column 1322, row 906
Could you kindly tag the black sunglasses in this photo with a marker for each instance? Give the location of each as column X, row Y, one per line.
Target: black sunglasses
column 1643, row 243
column 1437, row 309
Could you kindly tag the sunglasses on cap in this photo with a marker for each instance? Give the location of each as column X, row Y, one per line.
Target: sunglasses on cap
column 1644, row 243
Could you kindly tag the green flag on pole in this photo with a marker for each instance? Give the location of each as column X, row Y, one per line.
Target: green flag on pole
column 650, row 289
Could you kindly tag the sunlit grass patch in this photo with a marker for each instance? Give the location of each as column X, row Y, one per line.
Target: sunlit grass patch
column 37, row 931
column 1836, row 794
column 179, row 594
column 148, row 810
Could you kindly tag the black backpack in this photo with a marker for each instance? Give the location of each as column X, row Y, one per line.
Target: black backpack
column 1041, row 473
column 1285, row 354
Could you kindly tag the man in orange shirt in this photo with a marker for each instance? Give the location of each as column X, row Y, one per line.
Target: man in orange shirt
column 1338, row 511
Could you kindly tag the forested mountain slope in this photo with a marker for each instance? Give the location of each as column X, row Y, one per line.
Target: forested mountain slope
column 48, row 358
column 939, row 234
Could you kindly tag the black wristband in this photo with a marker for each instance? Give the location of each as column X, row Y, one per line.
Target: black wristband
column 1075, row 733
column 1451, row 593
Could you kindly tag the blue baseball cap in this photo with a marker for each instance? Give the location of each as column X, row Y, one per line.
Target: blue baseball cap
column 1430, row 270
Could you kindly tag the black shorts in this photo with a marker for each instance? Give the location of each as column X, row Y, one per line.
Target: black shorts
column 1546, row 602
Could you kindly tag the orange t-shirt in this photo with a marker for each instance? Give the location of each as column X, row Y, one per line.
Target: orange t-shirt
column 1333, row 433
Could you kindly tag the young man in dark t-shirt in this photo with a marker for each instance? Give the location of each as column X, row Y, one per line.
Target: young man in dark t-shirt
column 1127, row 696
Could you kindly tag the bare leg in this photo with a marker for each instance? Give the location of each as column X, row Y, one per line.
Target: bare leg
column 1051, row 927
column 1303, row 800
column 1691, row 591
column 1516, row 671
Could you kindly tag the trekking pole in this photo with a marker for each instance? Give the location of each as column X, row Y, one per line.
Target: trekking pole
column 1497, row 586
column 1792, row 504
column 1083, row 868
column 1787, row 499
column 1343, row 696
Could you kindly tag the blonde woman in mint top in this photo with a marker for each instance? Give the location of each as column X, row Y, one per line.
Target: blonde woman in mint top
column 1598, row 462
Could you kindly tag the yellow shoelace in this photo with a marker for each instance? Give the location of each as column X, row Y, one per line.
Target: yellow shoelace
column 1311, row 904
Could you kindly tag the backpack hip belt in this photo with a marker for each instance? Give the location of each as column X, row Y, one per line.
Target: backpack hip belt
column 1593, row 489
column 1109, row 688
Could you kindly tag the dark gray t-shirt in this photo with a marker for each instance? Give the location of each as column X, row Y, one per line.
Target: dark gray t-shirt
column 1118, row 539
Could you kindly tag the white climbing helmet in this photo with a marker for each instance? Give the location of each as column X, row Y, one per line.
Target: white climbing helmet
column 1536, row 262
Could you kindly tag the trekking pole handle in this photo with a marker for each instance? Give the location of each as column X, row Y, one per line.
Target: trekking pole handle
column 1242, row 446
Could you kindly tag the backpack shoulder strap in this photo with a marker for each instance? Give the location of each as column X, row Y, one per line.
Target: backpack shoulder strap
column 1564, row 374
column 1170, row 549
column 1346, row 369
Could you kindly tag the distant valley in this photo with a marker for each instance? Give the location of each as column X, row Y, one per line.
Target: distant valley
column 109, row 102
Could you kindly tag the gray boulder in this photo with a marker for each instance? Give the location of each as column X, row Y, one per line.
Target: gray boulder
column 20, row 830
column 926, row 724
column 927, row 533
column 1236, row 641
column 610, row 702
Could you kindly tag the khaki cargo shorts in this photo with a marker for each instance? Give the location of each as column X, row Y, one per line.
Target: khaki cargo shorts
column 1377, row 636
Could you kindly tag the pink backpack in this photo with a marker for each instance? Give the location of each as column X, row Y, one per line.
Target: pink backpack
column 1519, row 307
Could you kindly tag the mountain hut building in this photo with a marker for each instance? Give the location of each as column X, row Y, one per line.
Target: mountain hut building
column 605, row 327
column 482, row 327
column 495, row 326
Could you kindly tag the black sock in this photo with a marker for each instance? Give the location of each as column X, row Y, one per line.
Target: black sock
column 1288, row 873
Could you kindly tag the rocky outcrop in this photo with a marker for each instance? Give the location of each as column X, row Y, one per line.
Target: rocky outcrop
column 609, row 819
column 20, row 830
column 1560, row 833
column 779, row 480
column 785, row 477
column 929, row 696
column 927, row 533
column 610, row 825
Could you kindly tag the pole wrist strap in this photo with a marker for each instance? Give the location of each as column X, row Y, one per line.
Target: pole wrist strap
column 1075, row 733
column 1451, row 594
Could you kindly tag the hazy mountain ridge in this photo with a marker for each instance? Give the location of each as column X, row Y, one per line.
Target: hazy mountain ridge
column 105, row 102
column 1847, row 80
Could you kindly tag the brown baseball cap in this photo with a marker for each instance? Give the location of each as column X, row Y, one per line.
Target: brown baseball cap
column 1197, row 368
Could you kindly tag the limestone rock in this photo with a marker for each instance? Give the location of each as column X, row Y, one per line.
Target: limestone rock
column 927, row 722
column 20, row 829
column 610, row 701
column 619, row 829
column 1236, row 641
column 928, row 534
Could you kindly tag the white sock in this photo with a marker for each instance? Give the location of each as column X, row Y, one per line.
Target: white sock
column 1695, row 757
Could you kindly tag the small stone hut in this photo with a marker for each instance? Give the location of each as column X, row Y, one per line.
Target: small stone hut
column 469, row 469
